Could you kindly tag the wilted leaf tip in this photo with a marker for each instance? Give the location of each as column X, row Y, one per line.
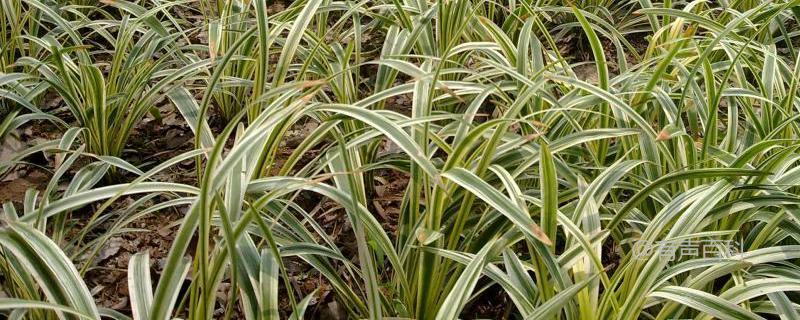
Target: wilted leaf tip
column 539, row 234
column 311, row 83
column 663, row 135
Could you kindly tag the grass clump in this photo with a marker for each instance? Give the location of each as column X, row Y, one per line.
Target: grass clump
column 590, row 160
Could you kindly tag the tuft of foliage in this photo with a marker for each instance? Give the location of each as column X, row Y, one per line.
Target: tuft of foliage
column 530, row 171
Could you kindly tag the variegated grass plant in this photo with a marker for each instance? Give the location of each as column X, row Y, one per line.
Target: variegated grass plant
column 110, row 73
column 525, row 176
